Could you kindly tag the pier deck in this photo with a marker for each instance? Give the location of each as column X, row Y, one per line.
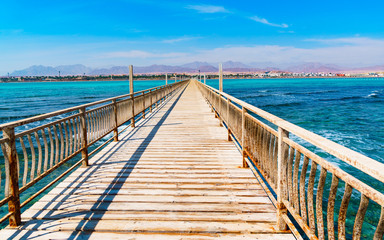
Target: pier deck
column 174, row 176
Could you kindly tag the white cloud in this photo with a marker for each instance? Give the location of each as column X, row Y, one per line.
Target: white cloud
column 265, row 21
column 141, row 54
column 181, row 39
column 207, row 8
column 353, row 52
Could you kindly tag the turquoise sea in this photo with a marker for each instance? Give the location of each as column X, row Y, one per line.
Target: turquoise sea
column 348, row 111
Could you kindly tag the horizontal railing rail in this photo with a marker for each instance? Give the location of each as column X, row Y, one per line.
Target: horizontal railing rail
column 299, row 177
column 32, row 154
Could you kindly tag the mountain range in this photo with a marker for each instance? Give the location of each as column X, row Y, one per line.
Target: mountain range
column 194, row 67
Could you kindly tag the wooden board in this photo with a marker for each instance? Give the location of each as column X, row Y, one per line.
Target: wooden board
column 174, row 176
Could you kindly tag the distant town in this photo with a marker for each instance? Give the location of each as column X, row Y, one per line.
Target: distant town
column 181, row 76
column 78, row 72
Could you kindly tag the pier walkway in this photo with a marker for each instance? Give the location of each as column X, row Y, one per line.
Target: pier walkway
column 174, row 176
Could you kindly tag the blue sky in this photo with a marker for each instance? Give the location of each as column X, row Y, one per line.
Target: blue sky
column 142, row 32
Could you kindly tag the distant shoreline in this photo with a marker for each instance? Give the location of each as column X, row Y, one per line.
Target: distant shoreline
column 14, row 80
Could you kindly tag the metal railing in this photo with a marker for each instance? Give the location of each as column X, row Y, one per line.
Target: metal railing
column 31, row 155
column 284, row 164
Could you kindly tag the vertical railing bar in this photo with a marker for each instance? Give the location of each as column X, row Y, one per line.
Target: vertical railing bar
column 56, row 144
column 70, row 136
column 99, row 122
column 11, row 153
column 33, row 161
column 331, row 207
column 84, row 142
column 303, row 175
column 311, row 186
column 150, row 97
column 281, row 181
column 343, row 211
column 319, row 204
column 25, row 175
column 75, row 134
column 61, row 142
column 66, row 138
column 6, row 168
column 360, row 217
column 79, row 133
column 296, row 181
column 244, row 155
column 289, row 175
column 275, row 161
column 51, row 143
column 229, row 129
column 115, row 132
column 45, row 149
column 90, row 127
column 40, row 156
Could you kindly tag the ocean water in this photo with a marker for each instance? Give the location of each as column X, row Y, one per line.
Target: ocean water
column 348, row 111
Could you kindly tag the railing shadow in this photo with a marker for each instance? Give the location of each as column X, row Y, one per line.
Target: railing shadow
column 101, row 206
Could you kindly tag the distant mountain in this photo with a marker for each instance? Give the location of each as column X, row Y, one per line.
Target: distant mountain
column 377, row 68
column 194, row 67
column 230, row 64
column 65, row 70
column 36, row 70
column 314, row 68
column 162, row 69
column 77, row 69
column 108, row 71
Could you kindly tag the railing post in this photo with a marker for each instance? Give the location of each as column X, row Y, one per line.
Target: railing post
column 281, row 178
column 133, row 112
column 243, row 111
column 143, row 113
column 150, row 96
column 229, row 130
column 157, row 92
column 220, row 77
column 220, row 119
column 14, row 202
column 115, row 131
column 131, row 91
column 84, row 140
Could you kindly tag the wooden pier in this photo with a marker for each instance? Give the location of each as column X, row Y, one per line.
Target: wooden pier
column 174, row 176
